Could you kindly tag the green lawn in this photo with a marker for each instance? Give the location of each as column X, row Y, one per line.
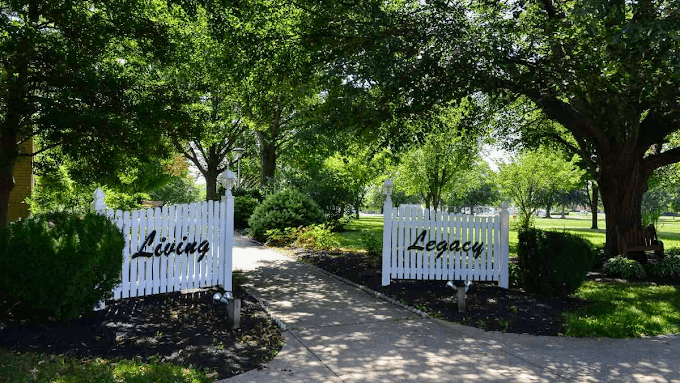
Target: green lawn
column 32, row 367
column 625, row 310
column 617, row 310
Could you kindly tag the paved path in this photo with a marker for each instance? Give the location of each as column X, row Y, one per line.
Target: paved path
column 338, row 333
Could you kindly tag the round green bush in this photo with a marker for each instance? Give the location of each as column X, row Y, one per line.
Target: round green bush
column 553, row 263
column 60, row 264
column 244, row 206
column 286, row 208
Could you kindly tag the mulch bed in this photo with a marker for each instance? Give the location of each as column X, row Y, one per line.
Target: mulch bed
column 184, row 329
column 488, row 306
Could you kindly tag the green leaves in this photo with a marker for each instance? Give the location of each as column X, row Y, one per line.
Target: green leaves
column 534, row 174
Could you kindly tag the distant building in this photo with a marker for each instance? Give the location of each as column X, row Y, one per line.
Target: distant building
column 23, row 183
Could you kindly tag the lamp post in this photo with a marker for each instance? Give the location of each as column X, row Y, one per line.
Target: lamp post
column 237, row 157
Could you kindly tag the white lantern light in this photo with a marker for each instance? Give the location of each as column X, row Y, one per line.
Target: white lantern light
column 388, row 187
column 227, row 180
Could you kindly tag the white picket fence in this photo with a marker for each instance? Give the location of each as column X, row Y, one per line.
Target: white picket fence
column 436, row 245
column 174, row 248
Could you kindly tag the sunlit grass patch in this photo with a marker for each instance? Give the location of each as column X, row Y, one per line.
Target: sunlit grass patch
column 623, row 310
column 26, row 367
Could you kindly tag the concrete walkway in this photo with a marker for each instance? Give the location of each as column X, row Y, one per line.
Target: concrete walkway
column 338, row 333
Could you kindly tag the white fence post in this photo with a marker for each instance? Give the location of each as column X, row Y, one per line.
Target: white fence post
column 387, row 231
column 228, row 181
column 229, row 241
column 505, row 235
column 98, row 206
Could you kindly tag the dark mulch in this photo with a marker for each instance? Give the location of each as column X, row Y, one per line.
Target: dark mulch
column 184, row 329
column 488, row 306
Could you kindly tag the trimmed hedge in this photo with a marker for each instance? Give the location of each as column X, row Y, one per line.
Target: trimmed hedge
column 553, row 263
column 286, row 208
column 60, row 264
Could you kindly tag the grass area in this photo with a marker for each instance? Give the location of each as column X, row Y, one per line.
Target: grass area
column 353, row 238
column 33, row 367
column 618, row 310
column 624, row 310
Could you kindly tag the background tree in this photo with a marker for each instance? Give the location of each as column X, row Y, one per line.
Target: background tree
column 476, row 187
column 75, row 75
column 527, row 179
column 606, row 71
column 446, row 148
column 278, row 76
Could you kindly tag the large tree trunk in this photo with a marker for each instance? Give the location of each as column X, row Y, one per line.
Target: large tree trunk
column 8, row 157
column 211, row 185
column 547, row 211
column 622, row 184
column 593, row 206
column 267, row 157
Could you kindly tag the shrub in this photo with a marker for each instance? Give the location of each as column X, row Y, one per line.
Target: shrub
column 517, row 223
column 60, row 264
column 372, row 242
column 514, row 274
column 244, row 206
column 243, row 192
column 621, row 266
column 316, row 237
column 286, row 208
column 279, row 237
column 667, row 267
column 553, row 263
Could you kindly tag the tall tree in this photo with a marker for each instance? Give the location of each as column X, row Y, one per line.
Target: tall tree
column 76, row 75
column 207, row 71
column 446, row 149
column 279, row 76
column 606, row 71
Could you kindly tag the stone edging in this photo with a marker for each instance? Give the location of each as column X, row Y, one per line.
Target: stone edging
column 281, row 324
column 369, row 291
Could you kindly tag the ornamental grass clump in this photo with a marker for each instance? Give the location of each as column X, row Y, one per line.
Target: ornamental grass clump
column 59, row 265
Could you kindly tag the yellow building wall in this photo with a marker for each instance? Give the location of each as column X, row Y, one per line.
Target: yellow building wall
column 23, row 183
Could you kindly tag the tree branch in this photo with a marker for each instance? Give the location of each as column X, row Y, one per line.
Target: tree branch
column 48, row 147
column 550, row 8
column 666, row 158
column 570, row 118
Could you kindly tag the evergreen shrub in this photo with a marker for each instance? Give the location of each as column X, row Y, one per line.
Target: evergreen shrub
column 286, row 208
column 553, row 263
column 244, row 206
column 60, row 264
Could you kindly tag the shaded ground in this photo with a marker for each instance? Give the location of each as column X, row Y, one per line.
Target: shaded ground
column 488, row 307
column 184, row 329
